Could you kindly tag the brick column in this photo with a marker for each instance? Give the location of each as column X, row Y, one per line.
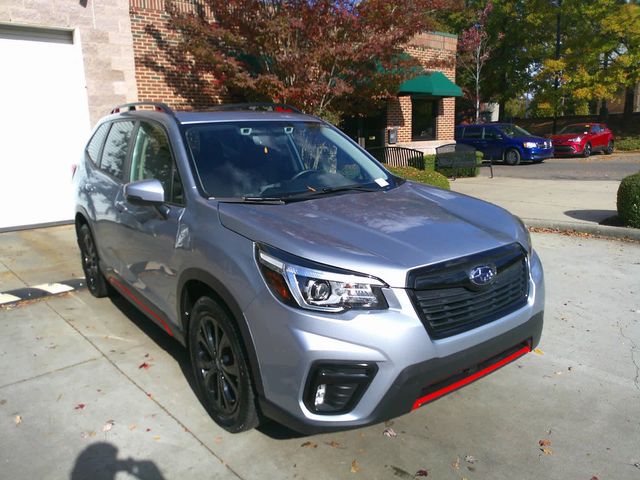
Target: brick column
column 399, row 116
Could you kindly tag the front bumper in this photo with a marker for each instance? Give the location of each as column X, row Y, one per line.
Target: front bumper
column 537, row 153
column 569, row 149
column 409, row 363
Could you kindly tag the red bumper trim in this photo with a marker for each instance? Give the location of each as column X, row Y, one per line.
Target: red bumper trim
column 471, row 378
column 139, row 303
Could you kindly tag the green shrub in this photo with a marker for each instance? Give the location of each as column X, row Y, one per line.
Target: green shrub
column 629, row 200
column 461, row 172
column 429, row 162
column 423, row 176
column 628, row 143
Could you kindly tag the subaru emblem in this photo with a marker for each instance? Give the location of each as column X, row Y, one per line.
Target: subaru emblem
column 482, row 275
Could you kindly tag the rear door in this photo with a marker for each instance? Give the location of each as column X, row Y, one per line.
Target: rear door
column 493, row 143
column 155, row 242
column 105, row 188
column 473, row 136
column 598, row 137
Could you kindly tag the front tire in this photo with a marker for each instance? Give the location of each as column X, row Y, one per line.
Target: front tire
column 587, row 150
column 220, row 367
column 96, row 283
column 512, row 157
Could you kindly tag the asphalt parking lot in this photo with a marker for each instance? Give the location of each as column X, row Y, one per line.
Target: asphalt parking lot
column 91, row 389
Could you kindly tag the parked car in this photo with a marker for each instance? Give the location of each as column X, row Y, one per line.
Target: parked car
column 505, row 141
column 583, row 139
column 308, row 283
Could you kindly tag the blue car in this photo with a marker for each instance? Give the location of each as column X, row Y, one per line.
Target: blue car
column 505, row 141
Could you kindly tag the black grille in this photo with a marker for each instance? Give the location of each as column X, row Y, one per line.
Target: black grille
column 448, row 303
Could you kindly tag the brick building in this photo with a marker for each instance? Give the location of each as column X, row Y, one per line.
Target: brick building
column 72, row 61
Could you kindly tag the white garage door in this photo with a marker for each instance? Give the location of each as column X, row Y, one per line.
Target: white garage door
column 44, row 121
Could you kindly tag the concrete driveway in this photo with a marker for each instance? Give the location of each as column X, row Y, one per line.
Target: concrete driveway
column 91, row 389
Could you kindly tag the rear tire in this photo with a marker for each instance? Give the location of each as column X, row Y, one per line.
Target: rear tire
column 512, row 157
column 96, row 283
column 610, row 148
column 220, row 367
column 586, row 152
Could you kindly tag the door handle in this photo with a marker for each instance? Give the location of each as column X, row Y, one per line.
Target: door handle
column 121, row 207
column 88, row 187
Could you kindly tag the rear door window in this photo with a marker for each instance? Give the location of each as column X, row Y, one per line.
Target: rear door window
column 471, row 133
column 96, row 142
column 116, row 148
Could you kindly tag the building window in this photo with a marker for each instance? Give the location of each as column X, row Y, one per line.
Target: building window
column 423, row 118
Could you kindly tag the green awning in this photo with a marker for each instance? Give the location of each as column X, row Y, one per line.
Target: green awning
column 433, row 84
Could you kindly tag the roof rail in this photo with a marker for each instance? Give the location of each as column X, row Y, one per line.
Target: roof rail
column 157, row 106
column 259, row 106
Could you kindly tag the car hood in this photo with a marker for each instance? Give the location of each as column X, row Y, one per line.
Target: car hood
column 383, row 233
column 566, row 136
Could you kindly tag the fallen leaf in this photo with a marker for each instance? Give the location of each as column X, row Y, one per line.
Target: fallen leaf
column 390, row 432
column 148, row 430
column 637, row 464
column 309, row 444
column 144, row 365
column 537, row 351
column 332, row 444
column 149, row 395
column 546, row 450
column 544, row 443
column 132, row 426
column 558, row 372
column 108, row 426
column 146, row 355
column 456, row 464
column 3, row 401
column 594, row 478
column 422, row 473
column 79, row 406
column 156, row 437
column 88, row 434
column 18, row 419
column 470, row 459
column 355, row 468
column 218, row 439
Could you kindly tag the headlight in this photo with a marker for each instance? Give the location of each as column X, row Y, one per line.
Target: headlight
column 527, row 235
column 529, row 144
column 304, row 284
column 575, row 139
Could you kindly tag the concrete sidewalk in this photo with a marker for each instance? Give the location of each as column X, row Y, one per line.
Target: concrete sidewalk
column 559, row 204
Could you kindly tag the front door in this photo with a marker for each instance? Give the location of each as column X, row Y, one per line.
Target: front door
column 155, row 237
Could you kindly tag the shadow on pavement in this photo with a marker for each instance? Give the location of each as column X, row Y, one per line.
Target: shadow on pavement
column 99, row 461
column 591, row 215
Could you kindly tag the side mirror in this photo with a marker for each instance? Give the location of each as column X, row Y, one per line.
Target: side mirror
column 149, row 192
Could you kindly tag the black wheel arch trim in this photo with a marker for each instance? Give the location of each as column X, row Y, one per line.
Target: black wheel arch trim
column 231, row 304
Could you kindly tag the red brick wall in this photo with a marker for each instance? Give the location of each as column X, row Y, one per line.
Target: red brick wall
column 435, row 52
column 162, row 72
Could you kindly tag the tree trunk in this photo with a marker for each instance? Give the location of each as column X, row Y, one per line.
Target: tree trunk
column 629, row 97
column 603, row 116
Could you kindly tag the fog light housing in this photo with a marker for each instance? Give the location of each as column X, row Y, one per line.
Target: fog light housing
column 335, row 388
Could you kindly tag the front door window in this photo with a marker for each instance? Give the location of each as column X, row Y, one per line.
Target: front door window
column 423, row 119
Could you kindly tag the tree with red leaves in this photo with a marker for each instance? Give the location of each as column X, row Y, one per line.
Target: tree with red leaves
column 327, row 57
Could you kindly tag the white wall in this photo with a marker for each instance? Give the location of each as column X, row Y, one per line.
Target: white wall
column 44, row 124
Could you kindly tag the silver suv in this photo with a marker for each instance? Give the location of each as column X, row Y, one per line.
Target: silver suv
column 308, row 283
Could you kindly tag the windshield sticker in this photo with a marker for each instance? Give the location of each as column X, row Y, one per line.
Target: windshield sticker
column 245, row 131
column 382, row 182
column 288, row 130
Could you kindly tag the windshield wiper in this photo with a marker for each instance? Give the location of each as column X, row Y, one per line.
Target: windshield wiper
column 328, row 190
column 249, row 199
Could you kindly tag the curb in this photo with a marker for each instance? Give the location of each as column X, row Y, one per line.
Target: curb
column 621, row 233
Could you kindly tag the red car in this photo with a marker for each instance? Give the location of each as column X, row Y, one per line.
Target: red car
column 583, row 139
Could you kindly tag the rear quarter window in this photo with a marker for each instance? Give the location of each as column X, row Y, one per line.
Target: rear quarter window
column 472, row 133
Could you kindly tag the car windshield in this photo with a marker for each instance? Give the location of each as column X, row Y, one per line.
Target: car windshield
column 581, row 129
column 278, row 160
column 514, row 131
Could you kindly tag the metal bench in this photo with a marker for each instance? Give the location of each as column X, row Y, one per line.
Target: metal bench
column 398, row 156
column 457, row 156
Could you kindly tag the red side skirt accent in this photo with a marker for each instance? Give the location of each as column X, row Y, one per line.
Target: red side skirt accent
column 139, row 303
column 467, row 380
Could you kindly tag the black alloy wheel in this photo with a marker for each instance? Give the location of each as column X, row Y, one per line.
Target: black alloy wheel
column 512, row 157
column 219, row 365
column 587, row 150
column 610, row 148
column 96, row 283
